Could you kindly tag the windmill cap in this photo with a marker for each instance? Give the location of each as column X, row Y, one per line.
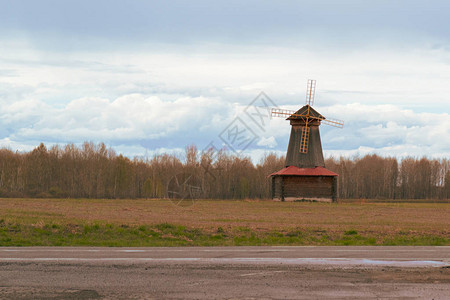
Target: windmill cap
column 303, row 111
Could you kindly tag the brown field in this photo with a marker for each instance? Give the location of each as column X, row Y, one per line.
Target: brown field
column 376, row 219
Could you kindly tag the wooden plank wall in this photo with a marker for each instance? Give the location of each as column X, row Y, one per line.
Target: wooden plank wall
column 299, row 187
column 308, row 186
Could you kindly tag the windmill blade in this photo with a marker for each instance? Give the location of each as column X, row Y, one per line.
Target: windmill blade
column 304, row 140
column 283, row 113
column 333, row 122
column 310, row 92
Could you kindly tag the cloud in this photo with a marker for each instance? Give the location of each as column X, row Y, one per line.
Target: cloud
column 138, row 124
column 389, row 130
column 399, row 151
column 129, row 119
column 267, row 142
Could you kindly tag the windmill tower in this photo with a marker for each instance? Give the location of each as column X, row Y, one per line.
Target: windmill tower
column 305, row 176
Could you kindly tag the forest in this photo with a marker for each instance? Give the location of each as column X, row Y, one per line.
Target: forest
column 95, row 171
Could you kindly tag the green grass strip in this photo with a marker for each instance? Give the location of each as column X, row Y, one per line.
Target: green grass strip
column 113, row 235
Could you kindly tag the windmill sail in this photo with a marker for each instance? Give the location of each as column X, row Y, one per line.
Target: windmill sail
column 277, row 112
column 333, row 122
column 310, row 92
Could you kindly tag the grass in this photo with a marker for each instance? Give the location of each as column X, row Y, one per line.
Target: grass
column 114, row 222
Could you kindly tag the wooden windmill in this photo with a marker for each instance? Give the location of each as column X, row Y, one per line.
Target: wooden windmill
column 305, row 176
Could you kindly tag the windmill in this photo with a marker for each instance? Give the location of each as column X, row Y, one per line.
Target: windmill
column 305, row 176
column 305, row 148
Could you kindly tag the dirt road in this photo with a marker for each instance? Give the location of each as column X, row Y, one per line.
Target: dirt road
column 226, row 272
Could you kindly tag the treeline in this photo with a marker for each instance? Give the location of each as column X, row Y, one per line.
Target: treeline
column 95, row 171
column 373, row 176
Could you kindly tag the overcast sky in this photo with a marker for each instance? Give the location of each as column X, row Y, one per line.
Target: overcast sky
column 148, row 77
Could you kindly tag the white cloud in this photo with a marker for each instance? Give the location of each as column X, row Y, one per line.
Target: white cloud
column 130, row 124
column 128, row 118
column 267, row 142
column 399, row 151
column 17, row 146
column 389, row 130
column 392, row 100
